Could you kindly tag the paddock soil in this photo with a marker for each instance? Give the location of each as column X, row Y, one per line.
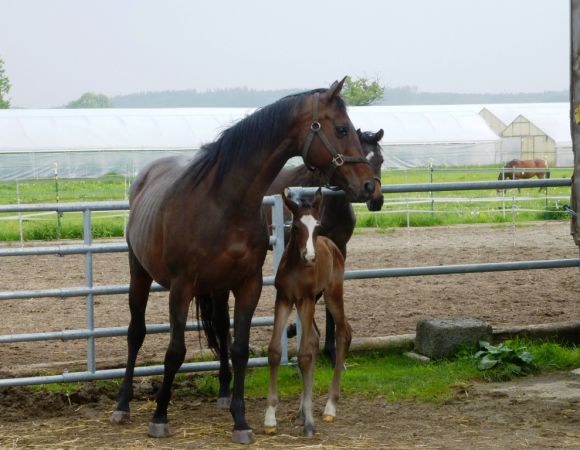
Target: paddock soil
column 536, row 412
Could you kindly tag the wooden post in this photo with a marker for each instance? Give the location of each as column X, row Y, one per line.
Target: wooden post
column 575, row 112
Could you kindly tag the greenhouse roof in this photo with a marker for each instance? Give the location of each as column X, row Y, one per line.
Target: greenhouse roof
column 59, row 130
column 46, row 130
column 508, row 112
column 555, row 124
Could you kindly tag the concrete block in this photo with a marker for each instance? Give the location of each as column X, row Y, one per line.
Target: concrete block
column 440, row 338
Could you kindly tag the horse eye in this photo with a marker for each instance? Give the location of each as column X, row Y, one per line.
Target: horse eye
column 341, row 131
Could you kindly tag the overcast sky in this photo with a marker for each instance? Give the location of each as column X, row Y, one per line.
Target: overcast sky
column 56, row 50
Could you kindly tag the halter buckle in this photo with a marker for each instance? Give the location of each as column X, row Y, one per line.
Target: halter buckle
column 338, row 160
column 315, row 126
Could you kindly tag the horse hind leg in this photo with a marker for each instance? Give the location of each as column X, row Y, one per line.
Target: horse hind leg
column 335, row 304
column 139, row 286
column 330, row 338
column 221, row 322
column 180, row 296
column 306, row 362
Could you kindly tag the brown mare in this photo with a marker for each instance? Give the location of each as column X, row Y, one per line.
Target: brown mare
column 311, row 264
column 337, row 219
column 195, row 227
column 511, row 171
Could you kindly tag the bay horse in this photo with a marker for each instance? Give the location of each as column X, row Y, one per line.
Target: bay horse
column 337, row 218
column 195, row 227
column 311, row 265
column 518, row 169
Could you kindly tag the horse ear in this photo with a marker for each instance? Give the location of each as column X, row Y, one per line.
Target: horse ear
column 380, row 134
column 335, row 88
column 359, row 133
column 317, row 200
column 293, row 207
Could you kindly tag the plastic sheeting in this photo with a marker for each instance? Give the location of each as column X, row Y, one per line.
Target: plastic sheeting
column 91, row 143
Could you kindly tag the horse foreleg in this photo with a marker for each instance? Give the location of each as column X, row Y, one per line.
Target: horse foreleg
column 138, row 296
column 247, row 296
column 306, row 361
column 180, row 296
column 281, row 312
column 335, row 304
column 221, row 321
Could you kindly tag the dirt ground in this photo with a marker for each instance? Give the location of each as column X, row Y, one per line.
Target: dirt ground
column 536, row 412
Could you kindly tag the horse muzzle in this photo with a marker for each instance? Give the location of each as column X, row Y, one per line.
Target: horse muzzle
column 375, row 203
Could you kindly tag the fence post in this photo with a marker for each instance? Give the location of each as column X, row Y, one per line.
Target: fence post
column 278, row 250
column 19, row 214
column 58, row 214
column 431, row 182
column 503, row 195
column 90, row 303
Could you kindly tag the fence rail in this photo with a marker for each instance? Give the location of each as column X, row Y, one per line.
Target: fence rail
column 90, row 333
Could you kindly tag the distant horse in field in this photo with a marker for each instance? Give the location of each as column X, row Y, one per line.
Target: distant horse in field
column 311, row 264
column 195, row 227
column 522, row 169
column 337, row 218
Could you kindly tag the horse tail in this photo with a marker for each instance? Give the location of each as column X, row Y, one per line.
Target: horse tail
column 204, row 305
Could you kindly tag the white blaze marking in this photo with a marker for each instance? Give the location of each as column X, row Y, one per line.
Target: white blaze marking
column 310, row 223
column 370, row 155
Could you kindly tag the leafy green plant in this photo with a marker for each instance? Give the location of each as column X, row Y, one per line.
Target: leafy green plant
column 507, row 359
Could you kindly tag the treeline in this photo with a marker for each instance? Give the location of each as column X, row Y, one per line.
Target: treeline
column 243, row 97
column 219, row 98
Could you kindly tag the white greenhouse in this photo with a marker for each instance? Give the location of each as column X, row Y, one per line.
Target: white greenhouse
column 91, row 143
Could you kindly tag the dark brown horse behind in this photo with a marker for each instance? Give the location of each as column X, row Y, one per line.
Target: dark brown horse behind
column 195, row 227
column 522, row 169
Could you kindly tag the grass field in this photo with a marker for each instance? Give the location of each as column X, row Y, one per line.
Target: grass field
column 413, row 209
column 373, row 373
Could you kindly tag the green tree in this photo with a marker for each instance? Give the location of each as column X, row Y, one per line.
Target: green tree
column 90, row 100
column 4, row 87
column 361, row 91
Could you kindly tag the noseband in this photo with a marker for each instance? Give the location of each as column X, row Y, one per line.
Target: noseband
column 338, row 159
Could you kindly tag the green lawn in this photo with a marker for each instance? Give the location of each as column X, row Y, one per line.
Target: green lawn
column 370, row 374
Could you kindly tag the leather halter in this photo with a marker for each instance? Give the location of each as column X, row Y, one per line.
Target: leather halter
column 338, row 159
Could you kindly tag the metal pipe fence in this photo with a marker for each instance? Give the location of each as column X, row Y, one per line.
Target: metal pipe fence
column 89, row 291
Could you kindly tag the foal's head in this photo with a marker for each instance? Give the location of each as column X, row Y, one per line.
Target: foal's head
column 374, row 154
column 305, row 224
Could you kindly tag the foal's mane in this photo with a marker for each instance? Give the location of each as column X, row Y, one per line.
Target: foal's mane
column 263, row 129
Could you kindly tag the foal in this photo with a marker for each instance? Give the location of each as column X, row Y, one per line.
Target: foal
column 310, row 265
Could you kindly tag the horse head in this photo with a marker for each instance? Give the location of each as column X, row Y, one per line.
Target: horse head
column 374, row 154
column 305, row 225
column 330, row 143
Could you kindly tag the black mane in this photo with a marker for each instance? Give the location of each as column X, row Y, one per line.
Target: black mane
column 265, row 128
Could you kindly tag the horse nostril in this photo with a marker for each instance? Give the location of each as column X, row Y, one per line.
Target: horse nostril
column 369, row 187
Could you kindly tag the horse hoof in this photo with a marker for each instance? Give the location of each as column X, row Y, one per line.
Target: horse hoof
column 243, row 437
column 328, row 418
column 120, row 417
column 309, row 432
column 223, row 403
column 270, row 430
column 158, row 430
